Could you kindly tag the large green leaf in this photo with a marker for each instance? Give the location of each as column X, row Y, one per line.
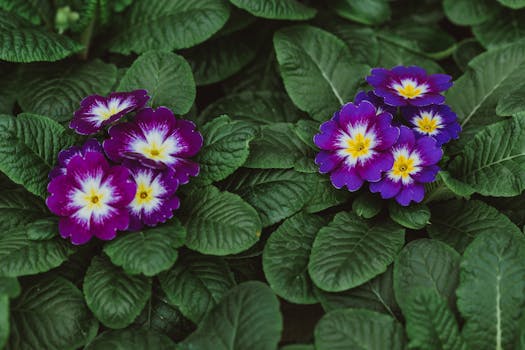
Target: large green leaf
column 219, row 223
column 468, row 12
column 490, row 293
column 351, row 251
column 9, row 286
column 56, row 90
column 168, row 25
column 22, row 42
column 316, row 63
column 196, row 284
column 426, row 263
column 114, row 297
column 166, row 76
column 414, row 217
column 149, row 251
column 365, row 11
column 225, row 148
column 503, row 29
column 358, row 329
column 18, row 207
column 253, row 321
column 4, row 319
column 286, row 255
column 324, row 195
column 430, row 323
column 29, row 146
column 127, row 339
column 458, row 222
column 275, row 194
column 512, row 102
column 465, row 51
column 493, row 162
column 50, row 314
column 276, row 9
column 514, row 4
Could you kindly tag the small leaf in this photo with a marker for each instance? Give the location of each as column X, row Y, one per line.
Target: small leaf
column 35, row 11
column 325, row 195
column 9, row 286
column 366, row 12
column 4, row 319
column 465, row 51
column 136, row 339
column 196, row 284
column 166, row 76
column 467, row 12
column 351, row 251
column 503, row 29
column 367, row 205
column 114, row 297
column 514, row 4
column 149, row 251
column 414, row 217
column 276, row 9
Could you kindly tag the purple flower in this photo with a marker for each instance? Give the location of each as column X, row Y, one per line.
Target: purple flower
column 403, row 86
column 156, row 139
column 65, row 156
column 155, row 199
column 377, row 101
column 414, row 164
column 91, row 198
column 437, row 121
column 97, row 111
column 353, row 145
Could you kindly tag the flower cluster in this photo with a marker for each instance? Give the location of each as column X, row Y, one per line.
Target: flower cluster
column 366, row 141
column 131, row 179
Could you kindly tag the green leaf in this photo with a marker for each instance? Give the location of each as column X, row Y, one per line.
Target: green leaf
column 367, row 205
column 505, row 28
column 467, row 12
column 196, row 284
column 298, row 347
column 114, row 297
column 490, row 294
column 56, row 90
column 43, row 229
column 35, row 11
column 316, row 63
column 136, row 339
column 149, row 251
column 166, row 76
column 493, row 162
column 275, row 194
column 430, row 323
column 9, row 286
column 253, row 321
column 426, row 263
column 512, row 102
column 367, row 12
column 260, row 107
column 458, row 222
column 351, row 251
column 362, row 41
column 358, row 329
column 219, row 223
column 465, row 51
column 29, row 146
column 286, row 255
column 414, row 217
column 4, row 319
column 50, row 314
column 225, row 148
column 513, row 4
column 169, row 25
column 220, row 58
column 276, row 9
column 22, row 42
column 324, row 195
column 21, row 256
column 18, row 208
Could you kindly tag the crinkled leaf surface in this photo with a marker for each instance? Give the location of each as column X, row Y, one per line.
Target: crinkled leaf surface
column 276, row 9
column 136, row 339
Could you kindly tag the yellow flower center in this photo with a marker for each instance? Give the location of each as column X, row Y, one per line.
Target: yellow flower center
column 359, row 146
column 144, row 194
column 108, row 113
column 155, row 151
column 403, row 166
column 427, row 124
column 93, row 199
column 409, row 90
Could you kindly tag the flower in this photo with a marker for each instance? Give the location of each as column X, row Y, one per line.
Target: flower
column 91, row 198
column 65, row 156
column 353, row 145
column 437, row 121
column 155, row 198
column 414, row 164
column 403, row 86
column 156, row 139
column 97, row 111
column 377, row 101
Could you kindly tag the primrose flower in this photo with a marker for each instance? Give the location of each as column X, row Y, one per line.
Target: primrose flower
column 155, row 199
column 91, row 198
column 377, row 101
column 156, row 139
column 354, row 143
column 65, row 156
column 403, row 86
column 97, row 111
column 437, row 121
column 414, row 164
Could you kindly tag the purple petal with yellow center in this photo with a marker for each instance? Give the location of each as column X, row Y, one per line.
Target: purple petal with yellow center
column 437, row 121
column 378, row 102
column 65, row 156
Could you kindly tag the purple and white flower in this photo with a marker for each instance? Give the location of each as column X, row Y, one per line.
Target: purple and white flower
column 97, row 111
column 91, row 198
column 156, row 139
column 378, row 102
column 414, row 164
column 65, row 156
column 155, row 199
column 403, row 86
column 437, row 121
column 354, row 145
